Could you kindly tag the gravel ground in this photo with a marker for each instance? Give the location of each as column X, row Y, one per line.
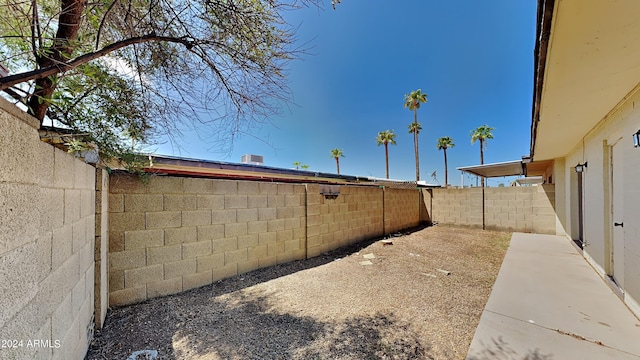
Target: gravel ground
column 336, row 306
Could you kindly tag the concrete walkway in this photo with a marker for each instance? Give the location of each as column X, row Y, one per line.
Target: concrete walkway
column 548, row 303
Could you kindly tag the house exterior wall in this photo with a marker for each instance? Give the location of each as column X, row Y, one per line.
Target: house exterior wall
column 47, row 223
column 521, row 208
column 595, row 149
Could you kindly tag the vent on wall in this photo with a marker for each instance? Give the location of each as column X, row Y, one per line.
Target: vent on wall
column 330, row 191
column 253, row 159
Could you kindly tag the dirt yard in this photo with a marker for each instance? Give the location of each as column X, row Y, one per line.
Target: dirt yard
column 419, row 298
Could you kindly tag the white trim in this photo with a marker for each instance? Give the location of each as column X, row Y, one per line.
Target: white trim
column 632, row 304
column 599, row 270
column 614, row 138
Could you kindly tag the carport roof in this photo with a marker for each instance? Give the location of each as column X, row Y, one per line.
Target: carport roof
column 507, row 168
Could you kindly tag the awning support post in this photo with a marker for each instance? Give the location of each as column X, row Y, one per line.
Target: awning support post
column 483, row 216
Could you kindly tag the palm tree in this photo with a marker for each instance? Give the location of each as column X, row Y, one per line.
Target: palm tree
column 482, row 134
column 386, row 137
column 304, row 166
column 445, row 143
column 296, row 164
column 412, row 102
column 337, row 154
column 415, row 128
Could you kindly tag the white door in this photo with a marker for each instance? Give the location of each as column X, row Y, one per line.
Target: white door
column 617, row 216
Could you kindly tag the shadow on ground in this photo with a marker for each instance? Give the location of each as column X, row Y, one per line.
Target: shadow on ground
column 260, row 333
column 500, row 350
column 245, row 327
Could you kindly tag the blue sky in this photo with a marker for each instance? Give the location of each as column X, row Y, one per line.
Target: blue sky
column 473, row 58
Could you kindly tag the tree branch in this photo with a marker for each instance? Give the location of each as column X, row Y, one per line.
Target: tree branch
column 35, row 28
column 104, row 18
column 61, row 67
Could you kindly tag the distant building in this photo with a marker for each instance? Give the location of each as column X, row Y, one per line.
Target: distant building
column 253, row 159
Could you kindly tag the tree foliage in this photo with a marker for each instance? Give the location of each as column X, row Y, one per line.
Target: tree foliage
column 123, row 69
column 481, row 133
column 386, row 137
column 336, row 153
column 414, row 127
column 413, row 99
column 445, row 143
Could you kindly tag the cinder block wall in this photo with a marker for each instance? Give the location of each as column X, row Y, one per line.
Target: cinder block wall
column 461, row 207
column 402, row 209
column 426, row 206
column 177, row 233
column 355, row 215
column 101, row 281
column 525, row 209
column 47, row 222
column 174, row 233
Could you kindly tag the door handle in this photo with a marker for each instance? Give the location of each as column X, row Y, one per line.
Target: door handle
column 618, row 224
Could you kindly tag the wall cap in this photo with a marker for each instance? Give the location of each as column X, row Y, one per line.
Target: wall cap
column 18, row 113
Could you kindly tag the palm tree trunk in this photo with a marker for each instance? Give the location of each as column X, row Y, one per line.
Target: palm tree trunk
column 446, row 171
column 481, row 159
column 386, row 156
column 338, row 164
column 415, row 142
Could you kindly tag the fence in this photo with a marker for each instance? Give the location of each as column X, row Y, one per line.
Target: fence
column 47, row 219
column 524, row 209
column 177, row 233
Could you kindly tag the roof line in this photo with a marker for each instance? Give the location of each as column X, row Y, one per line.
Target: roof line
column 501, row 169
column 510, row 162
column 543, row 33
column 214, row 164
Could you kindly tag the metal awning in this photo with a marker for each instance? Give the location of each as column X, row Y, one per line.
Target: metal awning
column 507, row 168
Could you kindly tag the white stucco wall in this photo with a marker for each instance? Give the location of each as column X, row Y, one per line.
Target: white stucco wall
column 595, row 149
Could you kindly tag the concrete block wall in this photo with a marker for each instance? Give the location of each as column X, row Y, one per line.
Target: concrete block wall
column 402, row 209
column 47, row 224
column 101, row 280
column 175, row 233
column 426, row 206
column 461, row 207
column 525, row 209
column 355, row 215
